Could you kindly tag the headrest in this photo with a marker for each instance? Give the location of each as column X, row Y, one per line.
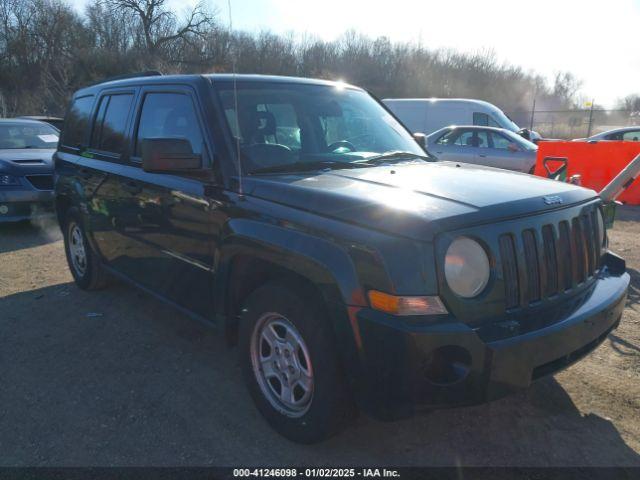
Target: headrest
column 264, row 123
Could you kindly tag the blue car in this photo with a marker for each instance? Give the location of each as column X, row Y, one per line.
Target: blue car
column 26, row 169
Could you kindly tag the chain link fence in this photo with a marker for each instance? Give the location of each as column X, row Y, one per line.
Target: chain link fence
column 569, row 124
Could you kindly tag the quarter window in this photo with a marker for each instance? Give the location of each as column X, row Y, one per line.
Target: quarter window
column 169, row 115
column 77, row 122
column 109, row 132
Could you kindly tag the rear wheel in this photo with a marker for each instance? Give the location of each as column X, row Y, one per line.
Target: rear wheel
column 290, row 364
column 83, row 262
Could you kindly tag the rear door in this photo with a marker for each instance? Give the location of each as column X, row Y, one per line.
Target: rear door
column 170, row 242
column 458, row 145
column 101, row 168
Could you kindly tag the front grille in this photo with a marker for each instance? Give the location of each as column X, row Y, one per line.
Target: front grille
column 542, row 262
column 41, row 182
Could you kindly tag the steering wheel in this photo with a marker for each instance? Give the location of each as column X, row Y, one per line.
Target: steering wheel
column 342, row 143
column 268, row 154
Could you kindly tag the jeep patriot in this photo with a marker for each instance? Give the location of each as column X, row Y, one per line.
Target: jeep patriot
column 351, row 269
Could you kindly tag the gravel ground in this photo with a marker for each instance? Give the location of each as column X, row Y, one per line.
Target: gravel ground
column 117, row 378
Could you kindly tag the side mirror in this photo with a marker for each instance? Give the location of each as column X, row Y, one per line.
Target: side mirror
column 421, row 139
column 169, row 155
column 525, row 133
column 513, row 147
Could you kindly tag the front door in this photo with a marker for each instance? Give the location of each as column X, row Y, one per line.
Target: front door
column 169, row 222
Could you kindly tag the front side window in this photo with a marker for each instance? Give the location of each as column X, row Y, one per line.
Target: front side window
column 27, row 135
column 278, row 125
column 633, row 136
column 77, row 122
column 109, row 131
column 169, row 115
column 500, row 142
column 524, row 144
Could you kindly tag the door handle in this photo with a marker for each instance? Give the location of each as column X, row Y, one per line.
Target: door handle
column 132, row 187
column 483, row 155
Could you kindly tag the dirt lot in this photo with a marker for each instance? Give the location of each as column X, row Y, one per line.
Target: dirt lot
column 117, row 378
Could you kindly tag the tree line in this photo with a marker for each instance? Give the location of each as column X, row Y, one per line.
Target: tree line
column 48, row 50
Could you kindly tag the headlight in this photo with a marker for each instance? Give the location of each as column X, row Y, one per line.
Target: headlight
column 602, row 233
column 466, row 267
column 6, row 180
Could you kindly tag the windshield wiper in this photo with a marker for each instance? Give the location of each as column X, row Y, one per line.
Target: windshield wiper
column 306, row 166
column 398, row 155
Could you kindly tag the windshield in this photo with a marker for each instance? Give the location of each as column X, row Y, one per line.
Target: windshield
column 27, row 135
column 290, row 126
column 504, row 121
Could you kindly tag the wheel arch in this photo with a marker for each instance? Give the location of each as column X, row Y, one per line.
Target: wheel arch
column 257, row 253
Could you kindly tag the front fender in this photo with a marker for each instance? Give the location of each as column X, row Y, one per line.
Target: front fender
column 326, row 264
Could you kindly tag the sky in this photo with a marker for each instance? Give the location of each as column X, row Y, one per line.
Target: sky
column 595, row 40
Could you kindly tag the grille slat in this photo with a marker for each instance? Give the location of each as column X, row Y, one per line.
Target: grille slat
column 588, row 239
column 565, row 255
column 553, row 259
column 550, row 260
column 533, row 272
column 509, row 271
column 579, row 262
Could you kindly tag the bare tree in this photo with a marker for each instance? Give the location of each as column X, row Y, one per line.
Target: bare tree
column 160, row 26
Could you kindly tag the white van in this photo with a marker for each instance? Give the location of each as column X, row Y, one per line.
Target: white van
column 426, row 115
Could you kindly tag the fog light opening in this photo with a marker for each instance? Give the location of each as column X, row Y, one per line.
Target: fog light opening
column 447, row 365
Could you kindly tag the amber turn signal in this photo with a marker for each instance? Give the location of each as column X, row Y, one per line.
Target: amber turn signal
column 398, row 305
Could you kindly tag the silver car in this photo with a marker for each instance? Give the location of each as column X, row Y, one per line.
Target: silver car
column 625, row 134
column 493, row 147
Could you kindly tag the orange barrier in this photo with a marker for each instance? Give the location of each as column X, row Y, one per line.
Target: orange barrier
column 596, row 163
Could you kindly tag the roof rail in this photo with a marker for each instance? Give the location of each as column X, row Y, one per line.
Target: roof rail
column 148, row 73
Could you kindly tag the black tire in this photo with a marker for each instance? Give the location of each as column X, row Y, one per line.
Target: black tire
column 330, row 405
column 92, row 276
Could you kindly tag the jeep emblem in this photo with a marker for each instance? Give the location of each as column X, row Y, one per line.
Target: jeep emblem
column 552, row 200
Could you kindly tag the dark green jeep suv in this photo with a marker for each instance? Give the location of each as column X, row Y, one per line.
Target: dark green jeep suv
column 351, row 269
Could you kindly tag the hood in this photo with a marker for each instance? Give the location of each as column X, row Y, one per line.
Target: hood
column 417, row 200
column 26, row 161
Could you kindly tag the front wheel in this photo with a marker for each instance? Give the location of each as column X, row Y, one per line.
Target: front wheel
column 86, row 269
column 290, row 364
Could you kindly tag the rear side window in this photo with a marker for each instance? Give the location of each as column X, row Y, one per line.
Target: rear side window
column 169, row 115
column 77, row 122
column 109, row 131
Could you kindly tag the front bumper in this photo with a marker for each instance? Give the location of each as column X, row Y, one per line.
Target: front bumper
column 405, row 367
column 18, row 204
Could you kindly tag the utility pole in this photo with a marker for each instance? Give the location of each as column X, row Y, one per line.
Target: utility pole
column 533, row 112
column 590, row 118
